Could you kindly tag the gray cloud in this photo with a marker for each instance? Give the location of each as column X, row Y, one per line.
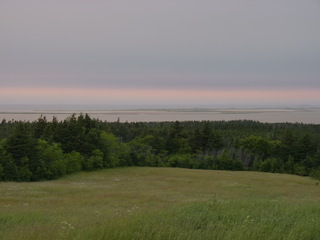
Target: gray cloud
column 161, row 44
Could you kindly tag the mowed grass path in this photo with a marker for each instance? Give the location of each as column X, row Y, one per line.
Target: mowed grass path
column 162, row 203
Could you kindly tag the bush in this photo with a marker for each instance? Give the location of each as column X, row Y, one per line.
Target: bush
column 226, row 162
column 74, row 161
column 315, row 173
column 95, row 161
column 1, row 173
column 182, row 160
column 272, row 165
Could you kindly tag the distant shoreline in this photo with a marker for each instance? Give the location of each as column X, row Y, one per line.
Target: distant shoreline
column 271, row 115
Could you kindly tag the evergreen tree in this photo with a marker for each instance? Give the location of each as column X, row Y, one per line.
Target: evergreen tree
column 20, row 144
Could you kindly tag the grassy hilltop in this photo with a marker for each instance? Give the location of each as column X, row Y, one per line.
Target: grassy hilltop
column 162, row 203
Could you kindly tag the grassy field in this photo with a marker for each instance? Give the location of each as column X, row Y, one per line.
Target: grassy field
column 163, row 204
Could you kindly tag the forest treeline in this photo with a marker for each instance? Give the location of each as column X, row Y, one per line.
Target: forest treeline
column 43, row 150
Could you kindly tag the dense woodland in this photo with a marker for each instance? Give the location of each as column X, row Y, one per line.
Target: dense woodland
column 43, row 150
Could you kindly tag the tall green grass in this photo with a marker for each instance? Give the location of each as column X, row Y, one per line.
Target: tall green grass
column 160, row 203
column 234, row 219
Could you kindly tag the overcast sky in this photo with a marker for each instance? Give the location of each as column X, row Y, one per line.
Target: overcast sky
column 142, row 46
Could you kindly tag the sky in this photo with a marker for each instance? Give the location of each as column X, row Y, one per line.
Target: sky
column 168, row 52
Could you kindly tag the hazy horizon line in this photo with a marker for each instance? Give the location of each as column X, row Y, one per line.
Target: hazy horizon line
column 101, row 107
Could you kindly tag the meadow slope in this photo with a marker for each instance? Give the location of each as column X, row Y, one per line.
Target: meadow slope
column 162, row 203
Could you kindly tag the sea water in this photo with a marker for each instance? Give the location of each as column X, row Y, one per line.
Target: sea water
column 145, row 114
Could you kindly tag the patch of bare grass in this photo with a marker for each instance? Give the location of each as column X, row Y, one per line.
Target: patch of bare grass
column 162, row 203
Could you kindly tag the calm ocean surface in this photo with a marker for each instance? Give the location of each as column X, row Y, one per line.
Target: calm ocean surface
column 301, row 115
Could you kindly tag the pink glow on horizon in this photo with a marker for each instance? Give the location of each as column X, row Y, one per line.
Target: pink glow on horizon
column 92, row 95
